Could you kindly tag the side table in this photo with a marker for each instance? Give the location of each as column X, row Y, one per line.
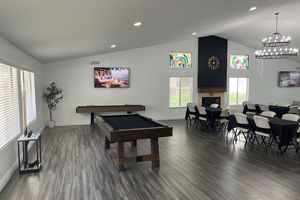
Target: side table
column 24, row 166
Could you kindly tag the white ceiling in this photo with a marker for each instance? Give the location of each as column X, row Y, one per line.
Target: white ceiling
column 53, row 30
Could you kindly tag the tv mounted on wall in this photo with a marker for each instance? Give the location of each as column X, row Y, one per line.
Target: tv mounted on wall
column 115, row 77
column 289, row 79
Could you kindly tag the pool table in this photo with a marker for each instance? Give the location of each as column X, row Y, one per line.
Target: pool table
column 130, row 128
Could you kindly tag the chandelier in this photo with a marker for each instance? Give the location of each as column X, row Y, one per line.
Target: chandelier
column 276, row 46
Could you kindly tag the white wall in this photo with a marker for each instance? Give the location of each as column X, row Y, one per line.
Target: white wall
column 8, row 155
column 263, row 77
column 149, row 81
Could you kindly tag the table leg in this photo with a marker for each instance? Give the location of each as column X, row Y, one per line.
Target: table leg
column 37, row 154
column 107, row 143
column 155, row 151
column 133, row 143
column 40, row 144
column 92, row 119
column 121, row 164
column 19, row 158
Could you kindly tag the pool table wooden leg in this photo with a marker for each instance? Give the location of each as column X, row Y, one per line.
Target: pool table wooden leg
column 107, row 143
column 133, row 143
column 155, row 151
column 121, row 164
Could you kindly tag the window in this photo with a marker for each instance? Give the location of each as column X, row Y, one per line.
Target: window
column 181, row 90
column 28, row 97
column 238, row 90
column 9, row 104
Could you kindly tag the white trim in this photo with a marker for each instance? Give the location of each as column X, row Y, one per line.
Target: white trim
column 8, row 175
column 14, row 166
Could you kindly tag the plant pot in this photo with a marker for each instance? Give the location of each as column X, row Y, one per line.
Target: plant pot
column 51, row 124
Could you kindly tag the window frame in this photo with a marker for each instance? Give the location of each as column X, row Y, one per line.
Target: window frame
column 180, row 88
column 237, row 92
column 18, row 68
column 21, row 96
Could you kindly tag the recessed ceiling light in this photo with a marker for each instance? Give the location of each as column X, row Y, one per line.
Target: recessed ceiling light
column 113, row 46
column 252, row 8
column 194, row 33
column 136, row 24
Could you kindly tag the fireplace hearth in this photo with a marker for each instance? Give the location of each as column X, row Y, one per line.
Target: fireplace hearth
column 207, row 101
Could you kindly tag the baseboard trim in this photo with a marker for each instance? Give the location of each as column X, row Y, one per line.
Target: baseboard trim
column 14, row 166
column 8, row 175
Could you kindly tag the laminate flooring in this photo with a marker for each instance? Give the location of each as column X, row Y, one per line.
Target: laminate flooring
column 194, row 165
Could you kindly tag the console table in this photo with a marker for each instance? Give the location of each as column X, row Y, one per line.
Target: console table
column 24, row 166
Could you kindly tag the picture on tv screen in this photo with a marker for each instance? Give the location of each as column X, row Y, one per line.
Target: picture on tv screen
column 239, row 61
column 289, row 79
column 180, row 60
column 111, row 77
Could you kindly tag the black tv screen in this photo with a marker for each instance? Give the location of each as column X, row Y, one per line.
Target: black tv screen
column 111, row 77
column 289, row 79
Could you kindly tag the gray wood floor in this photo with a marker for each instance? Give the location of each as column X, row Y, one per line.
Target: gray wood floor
column 194, row 165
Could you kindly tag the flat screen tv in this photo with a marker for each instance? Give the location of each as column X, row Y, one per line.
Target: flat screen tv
column 289, row 79
column 116, row 77
column 239, row 61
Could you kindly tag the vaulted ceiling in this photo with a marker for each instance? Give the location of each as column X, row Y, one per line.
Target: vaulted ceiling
column 53, row 30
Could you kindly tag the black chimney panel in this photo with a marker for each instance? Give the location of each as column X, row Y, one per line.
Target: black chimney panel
column 215, row 48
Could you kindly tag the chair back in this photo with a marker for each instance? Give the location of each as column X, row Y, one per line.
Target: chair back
column 268, row 114
column 202, row 110
column 263, row 107
column 241, row 118
column 191, row 107
column 225, row 113
column 291, row 117
column 214, row 105
column 261, row 122
column 272, row 104
column 244, row 103
column 233, row 111
column 283, row 104
column 251, row 106
column 294, row 109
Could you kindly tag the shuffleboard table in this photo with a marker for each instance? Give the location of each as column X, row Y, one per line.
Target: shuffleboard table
column 108, row 108
column 130, row 128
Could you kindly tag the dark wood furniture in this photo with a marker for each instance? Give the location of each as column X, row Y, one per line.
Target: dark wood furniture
column 24, row 165
column 126, row 128
column 108, row 108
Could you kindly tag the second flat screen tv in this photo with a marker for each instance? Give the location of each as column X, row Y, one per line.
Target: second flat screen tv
column 111, row 77
column 289, row 79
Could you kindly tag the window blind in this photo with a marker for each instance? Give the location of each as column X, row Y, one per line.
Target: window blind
column 9, row 104
column 28, row 96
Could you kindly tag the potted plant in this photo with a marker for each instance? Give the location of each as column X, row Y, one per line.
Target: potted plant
column 52, row 96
